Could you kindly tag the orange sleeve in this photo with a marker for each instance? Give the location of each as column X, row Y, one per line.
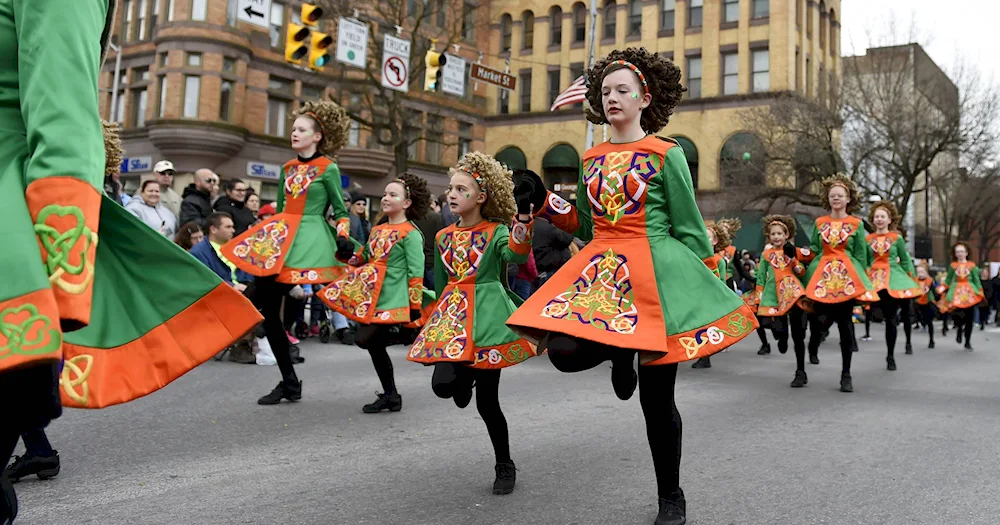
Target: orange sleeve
column 560, row 213
column 519, row 241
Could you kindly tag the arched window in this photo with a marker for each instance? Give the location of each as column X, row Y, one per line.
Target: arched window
column 555, row 26
column 742, row 162
column 691, row 154
column 579, row 22
column 822, row 24
column 561, row 165
column 634, row 17
column 512, row 157
column 506, row 28
column 528, row 30
column 609, row 20
column 833, row 33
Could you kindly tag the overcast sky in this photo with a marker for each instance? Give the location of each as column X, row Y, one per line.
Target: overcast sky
column 947, row 29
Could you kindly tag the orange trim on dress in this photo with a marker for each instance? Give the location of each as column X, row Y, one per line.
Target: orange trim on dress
column 29, row 329
column 311, row 275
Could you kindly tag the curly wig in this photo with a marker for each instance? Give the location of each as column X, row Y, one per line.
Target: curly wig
column 844, row 181
column 332, row 122
column 784, row 220
column 498, row 182
column 112, row 148
column 889, row 208
column 662, row 76
column 419, row 195
column 725, row 230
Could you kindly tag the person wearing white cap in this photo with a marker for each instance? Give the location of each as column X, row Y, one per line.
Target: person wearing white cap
column 164, row 172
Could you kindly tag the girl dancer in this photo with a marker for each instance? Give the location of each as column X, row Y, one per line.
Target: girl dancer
column 636, row 205
column 781, row 290
column 296, row 246
column 890, row 275
column 386, row 288
column 720, row 235
column 965, row 291
column 465, row 338
column 925, row 302
column 838, row 276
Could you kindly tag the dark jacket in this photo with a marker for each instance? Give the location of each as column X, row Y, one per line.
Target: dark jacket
column 430, row 225
column 242, row 216
column 550, row 246
column 195, row 206
column 359, row 229
column 204, row 252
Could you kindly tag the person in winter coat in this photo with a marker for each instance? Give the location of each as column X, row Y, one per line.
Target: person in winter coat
column 197, row 199
column 233, row 203
column 358, row 213
column 150, row 210
column 550, row 248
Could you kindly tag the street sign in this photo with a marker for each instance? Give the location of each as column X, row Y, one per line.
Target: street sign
column 136, row 165
column 263, row 171
column 453, row 76
column 492, row 76
column 395, row 63
column 352, row 42
column 256, row 12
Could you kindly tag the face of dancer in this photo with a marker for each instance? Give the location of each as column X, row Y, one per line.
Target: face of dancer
column 922, row 272
column 394, row 201
column 623, row 98
column 151, row 194
column 305, row 135
column 881, row 219
column 463, row 194
column 712, row 238
column 961, row 253
column 839, row 199
column 777, row 235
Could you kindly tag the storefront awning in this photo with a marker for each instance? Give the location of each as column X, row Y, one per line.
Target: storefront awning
column 561, row 156
column 513, row 158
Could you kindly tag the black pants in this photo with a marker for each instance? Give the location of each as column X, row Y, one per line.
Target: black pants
column 964, row 318
column 794, row 322
column 827, row 315
column 892, row 308
column 266, row 293
column 376, row 338
column 656, row 396
column 450, row 378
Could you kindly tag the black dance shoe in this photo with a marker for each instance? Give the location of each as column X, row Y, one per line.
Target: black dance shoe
column 624, row 379
column 8, row 501
column 673, row 510
column 890, row 363
column 290, row 391
column 45, row 467
column 463, row 395
column 814, row 358
column 702, row 362
column 909, row 349
column 968, row 346
column 800, row 380
column 930, row 344
column 390, row 402
column 845, row 383
column 506, row 477
column 764, row 349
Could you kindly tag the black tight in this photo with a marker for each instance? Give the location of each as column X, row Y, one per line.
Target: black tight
column 36, row 443
column 926, row 312
column 376, row 338
column 450, row 378
column 826, row 315
column 762, row 334
column 266, row 294
column 656, row 396
column 795, row 322
column 964, row 321
column 890, row 309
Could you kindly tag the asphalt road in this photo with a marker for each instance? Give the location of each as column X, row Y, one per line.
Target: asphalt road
column 915, row 446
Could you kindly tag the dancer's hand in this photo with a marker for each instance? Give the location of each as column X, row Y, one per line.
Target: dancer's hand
column 789, row 249
column 345, row 248
column 529, row 190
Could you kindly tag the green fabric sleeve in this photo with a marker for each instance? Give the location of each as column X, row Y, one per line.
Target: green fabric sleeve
column 858, row 248
column 584, row 215
column 950, row 279
column 58, row 62
column 904, row 257
column 331, row 179
column 413, row 247
column 279, row 205
column 686, row 223
column 816, row 245
column 763, row 270
column 975, row 281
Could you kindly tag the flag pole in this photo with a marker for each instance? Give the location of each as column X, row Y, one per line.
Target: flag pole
column 590, row 64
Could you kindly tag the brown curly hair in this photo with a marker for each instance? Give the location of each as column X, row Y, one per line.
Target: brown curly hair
column 498, row 182
column 725, row 230
column 331, row 120
column 840, row 179
column 889, row 208
column 419, row 195
column 662, row 76
column 113, row 152
column 785, row 220
column 968, row 256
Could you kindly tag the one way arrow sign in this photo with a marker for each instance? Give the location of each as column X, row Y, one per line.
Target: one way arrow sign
column 256, row 12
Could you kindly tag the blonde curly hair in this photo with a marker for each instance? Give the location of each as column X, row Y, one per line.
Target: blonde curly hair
column 113, row 152
column 331, row 119
column 840, row 179
column 889, row 208
column 497, row 182
column 785, row 220
column 725, row 230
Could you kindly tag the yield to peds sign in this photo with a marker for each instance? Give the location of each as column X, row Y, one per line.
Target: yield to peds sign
column 396, row 63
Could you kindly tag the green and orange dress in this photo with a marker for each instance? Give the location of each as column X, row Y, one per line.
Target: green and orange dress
column 965, row 290
column 892, row 269
column 640, row 283
column 470, row 272
column 387, row 281
column 86, row 286
column 778, row 281
column 838, row 273
column 297, row 246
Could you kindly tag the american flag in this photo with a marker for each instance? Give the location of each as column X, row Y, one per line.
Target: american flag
column 575, row 93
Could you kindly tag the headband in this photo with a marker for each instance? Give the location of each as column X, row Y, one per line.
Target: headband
column 638, row 73
column 318, row 122
column 480, row 181
column 406, row 188
column 779, row 223
column 841, row 184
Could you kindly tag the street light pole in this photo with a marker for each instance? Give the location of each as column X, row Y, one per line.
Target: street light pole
column 114, row 89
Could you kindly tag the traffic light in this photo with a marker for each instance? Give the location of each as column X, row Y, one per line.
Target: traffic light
column 310, row 14
column 295, row 43
column 302, row 40
column 432, row 69
column 318, row 55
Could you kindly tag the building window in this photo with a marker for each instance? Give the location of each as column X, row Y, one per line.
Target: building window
column 434, row 138
column 506, row 29
column 579, row 23
column 140, row 74
column 553, row 86
column 667, row 8
column 199, row 9
column 798, row 13
column 798, row 72
column 634, row 17
column 228, row 64
column 281, row 85
column 225, row 101
column 525, row 80
column 609, row 20
column 694, row 77
column 143, row 6
column 808, row 74
column 278, row 111
column 555, row 26
column 833, row 33
column 743, row 162
column 691, row 155
column 528, row 30
column 231, row 12
column 138, row 108
column 120, row 112
column 761, row 8
column 761, row 71
column 504, row 103
column 128, row 8
column 412, row 134
column 822, row 25
column 468, row 21
column 354, row 134
column 731, row 11
column 163, row 96
column 694, row 13
column 170, row 10
column 194, row 59
column 277, row 24
column 163, row 59
column 576, row 71
column 464, row 138
column 192, row 90
column 312, row 92
column 730, row 73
